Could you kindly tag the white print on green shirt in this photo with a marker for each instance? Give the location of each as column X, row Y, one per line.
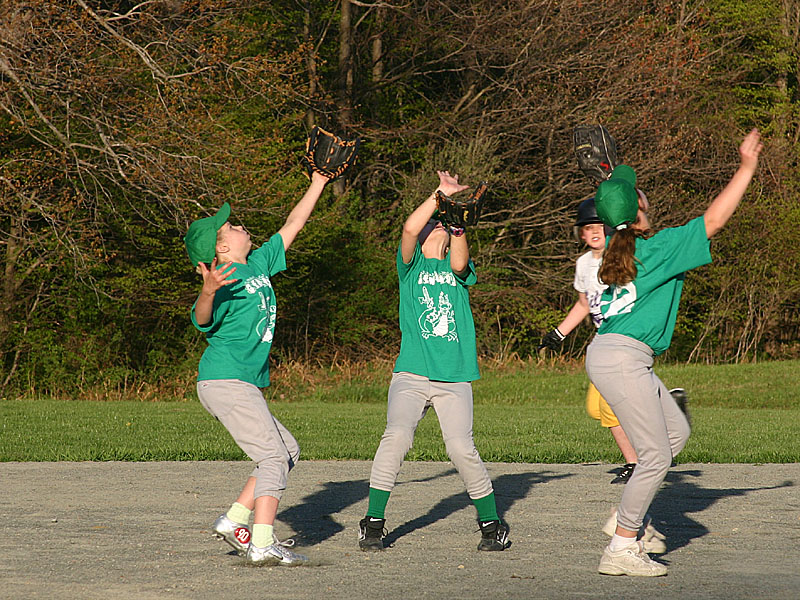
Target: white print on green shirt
column 622, row 300
column 432, row 278
column 253, row 284
column 269, row 328
column 266, row 326
column 437, row 321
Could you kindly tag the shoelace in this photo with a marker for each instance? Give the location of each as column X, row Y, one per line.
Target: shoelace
column 383, row 532
column 287, row 543
column 641, row 553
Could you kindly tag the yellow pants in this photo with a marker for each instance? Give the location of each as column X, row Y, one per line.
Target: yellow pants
column 599, row 409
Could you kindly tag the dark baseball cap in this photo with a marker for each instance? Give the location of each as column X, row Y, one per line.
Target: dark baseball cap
column 587, row 213
column 201, row 239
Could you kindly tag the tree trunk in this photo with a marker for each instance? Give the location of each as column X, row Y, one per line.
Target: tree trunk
column 310, row 117
column 346, row 64
column 345, row 77
column 377, row 46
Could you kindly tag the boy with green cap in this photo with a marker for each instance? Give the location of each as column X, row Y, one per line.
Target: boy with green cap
column 645, row 274
column 237, row 316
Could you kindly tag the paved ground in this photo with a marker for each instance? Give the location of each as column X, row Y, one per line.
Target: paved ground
column 141, row 530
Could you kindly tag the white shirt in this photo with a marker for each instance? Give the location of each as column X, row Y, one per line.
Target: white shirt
column 588, row 282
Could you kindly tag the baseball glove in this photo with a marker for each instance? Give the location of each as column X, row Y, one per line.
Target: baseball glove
column 595, row 150
column 457, row 213
column 329, row 154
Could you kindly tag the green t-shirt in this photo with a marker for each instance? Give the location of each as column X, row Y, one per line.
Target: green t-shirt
column 438, row 333
column 243, row 320
column 646, row 308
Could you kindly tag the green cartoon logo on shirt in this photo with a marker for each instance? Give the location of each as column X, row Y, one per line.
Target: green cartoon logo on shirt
column 437, row 320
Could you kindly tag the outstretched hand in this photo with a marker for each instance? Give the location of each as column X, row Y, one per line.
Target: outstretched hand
column 750, row 149
column 214, row 278
column 448, row 184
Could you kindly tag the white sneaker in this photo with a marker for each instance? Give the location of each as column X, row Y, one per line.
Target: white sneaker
column 610, row 527
column 631, row 560
column 275, row 554
column 653, row 540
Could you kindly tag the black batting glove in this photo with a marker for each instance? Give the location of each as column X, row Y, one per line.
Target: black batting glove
column 553, row 340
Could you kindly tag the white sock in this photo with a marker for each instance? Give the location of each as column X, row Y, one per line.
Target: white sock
column 619, row 542
column 262, row 535
column 239, row 513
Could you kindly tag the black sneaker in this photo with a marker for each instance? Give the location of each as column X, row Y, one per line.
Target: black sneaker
column 682, row 400
column 624, row 473
column 371, row 533
column 494, row 536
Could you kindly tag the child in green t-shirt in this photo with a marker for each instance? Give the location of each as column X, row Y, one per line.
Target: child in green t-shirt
column 238, row 319
column 435, row 368
column 645, row 277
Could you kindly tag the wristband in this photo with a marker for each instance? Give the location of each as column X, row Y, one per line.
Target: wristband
column 456, row 231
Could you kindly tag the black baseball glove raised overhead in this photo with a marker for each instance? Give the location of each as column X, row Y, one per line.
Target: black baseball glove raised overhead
column 461, row 213
column 595, row 150
column 329, row 154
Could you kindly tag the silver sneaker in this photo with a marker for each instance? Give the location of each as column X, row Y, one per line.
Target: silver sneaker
column 653, row 540
column 631, row 560
column 277, row 553
column 235, row 534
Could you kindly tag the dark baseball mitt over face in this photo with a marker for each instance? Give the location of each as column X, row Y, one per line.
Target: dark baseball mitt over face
column 595, row 150
column 329, row 154
column 462, row 213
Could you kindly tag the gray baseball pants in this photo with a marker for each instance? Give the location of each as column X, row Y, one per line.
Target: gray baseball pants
column 242, row 409
column 621, row 368
column 410, row 397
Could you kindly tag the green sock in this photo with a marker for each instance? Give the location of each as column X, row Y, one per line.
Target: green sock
column 377, row 503
column 262, row 535
column 487, row 508
column 239, row 513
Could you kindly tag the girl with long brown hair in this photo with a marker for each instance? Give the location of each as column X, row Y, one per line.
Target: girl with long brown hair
column 644, row 274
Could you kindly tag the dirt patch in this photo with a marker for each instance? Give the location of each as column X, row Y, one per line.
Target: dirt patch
column 141, row 530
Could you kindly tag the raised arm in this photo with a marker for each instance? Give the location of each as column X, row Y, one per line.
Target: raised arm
column 302, row 210
column 459, row 254
column 448, row 184
column 723, row 206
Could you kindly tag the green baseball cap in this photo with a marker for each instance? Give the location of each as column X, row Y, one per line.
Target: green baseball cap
column 616, row 200
column 201, row 239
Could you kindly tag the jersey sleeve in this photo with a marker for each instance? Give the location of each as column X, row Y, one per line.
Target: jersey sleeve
column 683, row 248
column 578, row 283
column 269, row 258
column 470, row 277
column 403, row 268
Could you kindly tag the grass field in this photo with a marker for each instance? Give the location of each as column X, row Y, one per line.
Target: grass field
column 528, row 413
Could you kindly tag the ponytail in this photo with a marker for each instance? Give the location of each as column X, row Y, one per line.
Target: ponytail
column 619, row 263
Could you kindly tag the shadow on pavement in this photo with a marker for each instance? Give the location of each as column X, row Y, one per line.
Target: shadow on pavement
column 508, row 489
column 681, row 497
column 312, row 519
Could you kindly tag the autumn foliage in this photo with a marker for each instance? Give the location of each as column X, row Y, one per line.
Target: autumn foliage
column 120, row 122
